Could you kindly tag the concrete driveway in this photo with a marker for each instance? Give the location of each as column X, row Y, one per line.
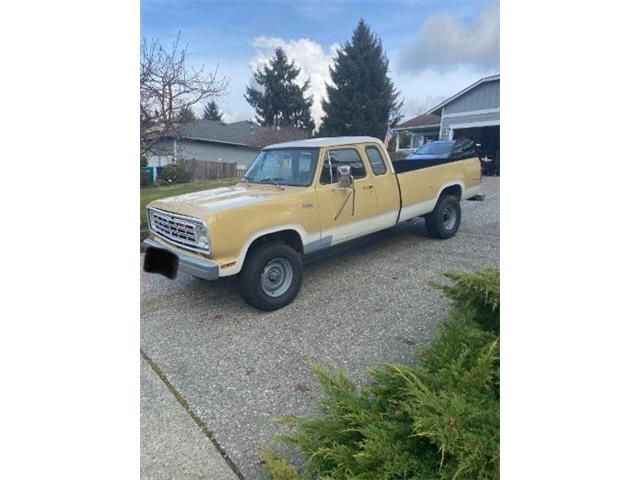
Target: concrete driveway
column 238, row 369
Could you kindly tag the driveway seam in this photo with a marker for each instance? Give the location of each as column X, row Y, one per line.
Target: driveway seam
column 199, row 422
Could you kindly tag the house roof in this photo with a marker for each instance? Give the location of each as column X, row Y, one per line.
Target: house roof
column 244, row 133
column 326, row 142
column 425, row 120
column 438, row 108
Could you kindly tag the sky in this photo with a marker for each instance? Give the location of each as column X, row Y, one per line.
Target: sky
column 435, row 47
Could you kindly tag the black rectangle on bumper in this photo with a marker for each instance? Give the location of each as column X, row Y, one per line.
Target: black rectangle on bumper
column 197, row 267
column 159, row 260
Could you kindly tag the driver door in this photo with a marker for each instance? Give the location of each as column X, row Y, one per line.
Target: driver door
column 345, row 211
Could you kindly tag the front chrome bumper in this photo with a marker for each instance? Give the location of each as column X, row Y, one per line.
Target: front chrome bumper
column 198, row 267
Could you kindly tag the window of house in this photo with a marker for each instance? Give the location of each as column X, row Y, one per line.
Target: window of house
column 417, row 140
column 404, row 140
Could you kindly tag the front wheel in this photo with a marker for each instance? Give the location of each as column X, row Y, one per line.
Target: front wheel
column 271, row 276
column 444, row 221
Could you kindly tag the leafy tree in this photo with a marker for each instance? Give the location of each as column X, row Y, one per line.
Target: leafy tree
column 362, row 99
column 211, row 111
column 186, row 115
column 279, row 101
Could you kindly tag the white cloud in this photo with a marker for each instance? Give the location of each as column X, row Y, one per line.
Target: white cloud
column 413, row 107
column 231, row 116
column 444, row 41
column 309, row 56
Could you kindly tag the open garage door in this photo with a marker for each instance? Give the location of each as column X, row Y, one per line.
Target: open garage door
column 489, row 139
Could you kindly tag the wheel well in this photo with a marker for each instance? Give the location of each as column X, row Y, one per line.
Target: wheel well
column 455, row 190
column 290, row 237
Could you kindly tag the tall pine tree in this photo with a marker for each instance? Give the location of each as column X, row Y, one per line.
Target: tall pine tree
column 363, row 98
column 186, row 115
column 211, row 111
column 280, row 102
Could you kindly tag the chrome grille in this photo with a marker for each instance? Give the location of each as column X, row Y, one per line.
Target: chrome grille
column 174, row 228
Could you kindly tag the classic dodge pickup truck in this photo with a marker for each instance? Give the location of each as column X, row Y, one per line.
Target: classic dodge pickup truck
column 299, row 197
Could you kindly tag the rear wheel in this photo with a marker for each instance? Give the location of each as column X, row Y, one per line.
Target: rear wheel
column 271, row 276
column 444, row 221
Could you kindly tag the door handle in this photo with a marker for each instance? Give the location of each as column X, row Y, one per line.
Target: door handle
column 368, row 187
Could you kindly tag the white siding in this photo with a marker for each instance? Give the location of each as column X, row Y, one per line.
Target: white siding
column 468, row 120
column 485, row 96
column 217, row 152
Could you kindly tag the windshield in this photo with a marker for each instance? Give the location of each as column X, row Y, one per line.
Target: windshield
column 285, row 166
column 441, row 147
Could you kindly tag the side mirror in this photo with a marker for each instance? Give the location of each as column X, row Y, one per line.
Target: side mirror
column 345, row 180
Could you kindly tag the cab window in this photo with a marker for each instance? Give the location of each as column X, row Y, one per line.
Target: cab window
column 377, row 164
column 336, row 158
column 284, row 166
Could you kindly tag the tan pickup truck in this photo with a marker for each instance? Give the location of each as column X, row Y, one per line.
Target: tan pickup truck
column 299, row 197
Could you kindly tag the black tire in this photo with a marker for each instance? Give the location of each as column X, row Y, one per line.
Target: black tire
column 440, row 223
column 276, row 256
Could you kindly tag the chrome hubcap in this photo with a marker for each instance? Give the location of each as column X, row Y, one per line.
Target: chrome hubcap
column 449, row 217
column 277, row 277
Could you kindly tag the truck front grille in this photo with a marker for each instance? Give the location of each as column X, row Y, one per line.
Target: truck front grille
column 174, row 228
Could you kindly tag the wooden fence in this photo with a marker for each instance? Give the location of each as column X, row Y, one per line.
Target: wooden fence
column 205, row 170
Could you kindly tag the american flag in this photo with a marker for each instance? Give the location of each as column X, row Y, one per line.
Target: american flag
column 388, row 136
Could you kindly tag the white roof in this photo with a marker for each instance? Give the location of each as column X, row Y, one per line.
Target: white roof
column 326, row 142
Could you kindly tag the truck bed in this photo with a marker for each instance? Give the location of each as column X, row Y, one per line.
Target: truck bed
column 402, row 166
column 421, row 181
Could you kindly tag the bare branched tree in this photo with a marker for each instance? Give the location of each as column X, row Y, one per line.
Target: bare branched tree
column 168, row 86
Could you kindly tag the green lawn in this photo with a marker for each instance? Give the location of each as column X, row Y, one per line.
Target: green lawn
column 153, row 193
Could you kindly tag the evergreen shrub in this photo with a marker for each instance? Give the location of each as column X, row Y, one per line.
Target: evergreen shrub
column 174, row 173
column 438, row 418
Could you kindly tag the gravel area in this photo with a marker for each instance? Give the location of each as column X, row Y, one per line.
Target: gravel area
column 361, row 304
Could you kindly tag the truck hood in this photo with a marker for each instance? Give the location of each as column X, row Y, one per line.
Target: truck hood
column 205, row 202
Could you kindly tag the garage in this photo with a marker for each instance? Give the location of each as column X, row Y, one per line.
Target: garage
column 474, row 113
column 488, row 138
